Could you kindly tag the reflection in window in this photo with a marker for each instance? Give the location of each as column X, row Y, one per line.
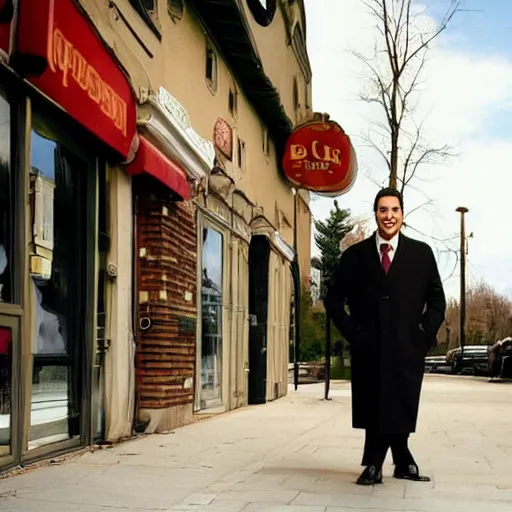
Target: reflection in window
column 211, row 301
column 58, row 183
column 6, row 217
column 5, row 389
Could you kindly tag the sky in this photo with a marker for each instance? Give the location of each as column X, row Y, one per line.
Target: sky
column 466, row 101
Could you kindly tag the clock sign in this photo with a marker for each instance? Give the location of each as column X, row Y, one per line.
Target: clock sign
column 263, row 11
column 223, row 138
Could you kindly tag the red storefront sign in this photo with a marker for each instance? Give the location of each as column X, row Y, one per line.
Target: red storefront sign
column 6, row 15
column 78, row 71
column 319, row 157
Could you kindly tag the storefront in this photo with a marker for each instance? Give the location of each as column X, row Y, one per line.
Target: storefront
column 166, row 248
column 224, row 236
column 67, row 120
column 244, row 304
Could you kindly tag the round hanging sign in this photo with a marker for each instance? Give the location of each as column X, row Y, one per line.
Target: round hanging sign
column 320, row 157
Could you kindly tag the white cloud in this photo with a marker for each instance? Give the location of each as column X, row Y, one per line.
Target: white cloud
column 464, row 95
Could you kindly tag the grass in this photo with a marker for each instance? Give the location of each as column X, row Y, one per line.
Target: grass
column 338, row 372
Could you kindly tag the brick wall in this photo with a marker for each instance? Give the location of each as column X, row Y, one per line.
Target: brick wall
column 166, row 282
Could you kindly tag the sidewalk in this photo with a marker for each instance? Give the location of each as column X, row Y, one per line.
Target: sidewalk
column 298, row 454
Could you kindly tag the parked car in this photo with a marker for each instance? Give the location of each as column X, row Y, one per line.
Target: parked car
column 500, row 359
column 474, row 359
column 437, row 364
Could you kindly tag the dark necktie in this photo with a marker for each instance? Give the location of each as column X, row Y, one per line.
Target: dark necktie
column 386, row 262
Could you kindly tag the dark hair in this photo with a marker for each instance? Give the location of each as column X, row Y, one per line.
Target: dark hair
column 388, row 192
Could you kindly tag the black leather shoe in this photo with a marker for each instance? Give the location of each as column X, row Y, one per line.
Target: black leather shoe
column 370, row 476
column 410, row 472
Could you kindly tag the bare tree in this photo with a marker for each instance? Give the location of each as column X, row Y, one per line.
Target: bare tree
column 395, row 72
column 359, row 232
column 488, row 319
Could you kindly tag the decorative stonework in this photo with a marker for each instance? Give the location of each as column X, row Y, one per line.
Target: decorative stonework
column 223, row 138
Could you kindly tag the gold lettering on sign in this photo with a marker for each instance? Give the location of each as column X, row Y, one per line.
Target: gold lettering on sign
column 298, row 152
column 64, row 57
column 322, row 156
column 330, row 154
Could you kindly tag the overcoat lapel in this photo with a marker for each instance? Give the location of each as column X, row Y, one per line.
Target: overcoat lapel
column 374, row 262
column 398, row 260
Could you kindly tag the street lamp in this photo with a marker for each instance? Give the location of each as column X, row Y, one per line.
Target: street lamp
column 463, row 251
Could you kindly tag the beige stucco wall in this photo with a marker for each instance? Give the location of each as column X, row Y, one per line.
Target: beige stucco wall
column 279, row 60
column 178, row 65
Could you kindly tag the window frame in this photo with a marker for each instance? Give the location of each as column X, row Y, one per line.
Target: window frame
column 149, row 16
column 241, row 154
column 213, row 81
column 206, row 221
column 68, row 131
column 233, row 102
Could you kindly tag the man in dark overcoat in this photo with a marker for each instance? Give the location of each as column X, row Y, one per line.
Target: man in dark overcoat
column 387, row 300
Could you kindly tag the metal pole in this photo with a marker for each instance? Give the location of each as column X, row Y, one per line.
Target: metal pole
column 297, row 292
column 327, row 355
column 462, row 210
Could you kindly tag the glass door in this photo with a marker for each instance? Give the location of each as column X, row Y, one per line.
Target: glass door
column 9, row 330
column 58, row 180
column 212, row 291
column 11, row 265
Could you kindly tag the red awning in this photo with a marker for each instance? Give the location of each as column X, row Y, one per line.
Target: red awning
column 152, row 161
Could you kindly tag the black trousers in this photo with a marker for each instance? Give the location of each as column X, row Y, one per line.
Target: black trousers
column 376, row 447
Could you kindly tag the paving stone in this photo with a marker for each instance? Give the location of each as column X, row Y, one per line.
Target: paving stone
column 297, row 454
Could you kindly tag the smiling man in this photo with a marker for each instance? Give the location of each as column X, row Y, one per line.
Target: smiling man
column 396, row 305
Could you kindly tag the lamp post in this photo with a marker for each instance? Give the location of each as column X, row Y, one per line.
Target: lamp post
column 297, row 292
column 462, row 210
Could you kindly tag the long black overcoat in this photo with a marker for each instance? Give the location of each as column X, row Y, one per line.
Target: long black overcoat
column 393, row 320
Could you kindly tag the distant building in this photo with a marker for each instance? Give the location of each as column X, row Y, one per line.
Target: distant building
column 316, row 280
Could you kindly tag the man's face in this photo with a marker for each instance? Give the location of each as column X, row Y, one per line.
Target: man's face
column 389, row 217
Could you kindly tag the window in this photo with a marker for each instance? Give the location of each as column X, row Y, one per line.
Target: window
column 211, row 69
column 233, row 102
column 8, row 335
column 296, row 101
column 241, row 156
column 263, row 11
column 176, row 8
column 307, row 96
column 6, row 205
column 148, row 11
column 149, row 5
column 266, row 141
column 211, row 307
column 59, row 294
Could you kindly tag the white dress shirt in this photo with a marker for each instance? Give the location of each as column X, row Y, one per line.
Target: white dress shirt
column 393, row 243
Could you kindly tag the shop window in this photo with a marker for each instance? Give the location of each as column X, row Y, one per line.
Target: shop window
column 5, row 387
column 266, row 141
column 7, row 261
column 212, row 317
column 148, row 11
column 58, row 180
column 211, row 69
column 296, row 101
column 6, row 205
column 233, row 102
column 241, row 154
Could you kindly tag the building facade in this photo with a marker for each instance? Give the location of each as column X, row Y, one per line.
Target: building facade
column 147, row 235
